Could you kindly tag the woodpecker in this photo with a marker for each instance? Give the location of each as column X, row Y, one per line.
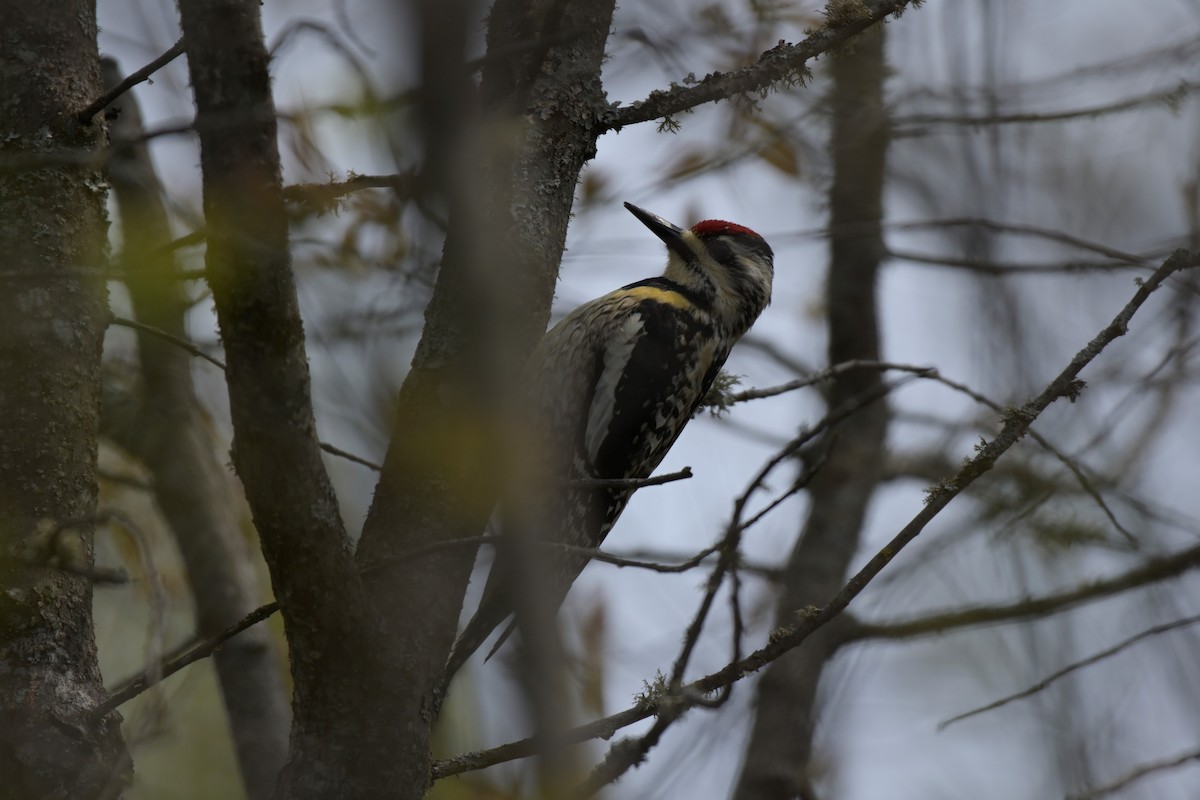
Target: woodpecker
column 611, row 386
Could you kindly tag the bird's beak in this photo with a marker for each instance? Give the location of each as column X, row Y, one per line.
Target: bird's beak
column 671, row 234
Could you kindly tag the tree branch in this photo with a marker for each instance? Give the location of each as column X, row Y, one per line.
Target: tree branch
column 1067, row 670
column 931, row 373
column 821, row 376
column 1009, row 268
column 134, row 78
column 633, row 483
column 340, row 453
column 179, row 342
column 1169, row 99
column 1150, row 572
column 783, row 64
column 321, row 195
column 158, row 673
column 1038, row 231
column 1137, row 774
column 198, row 353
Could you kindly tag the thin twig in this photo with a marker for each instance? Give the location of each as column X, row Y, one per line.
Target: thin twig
column 196, row 351
column 1067, row 670
column 156, row 674
column 143, row 74
column 1137, row 774
column 630, row 483
column 166, row 337
column 1081, row 477
column 931, row 373
column 827, row 374
column 319, row 195
column 592, row 553
column 340, row 453
column 998, row 268
column 759, row 568
column 1152, row 571
column 995, row 226
column 1168, row 98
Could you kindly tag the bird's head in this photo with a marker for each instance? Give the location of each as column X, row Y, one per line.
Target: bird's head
column 728, row 266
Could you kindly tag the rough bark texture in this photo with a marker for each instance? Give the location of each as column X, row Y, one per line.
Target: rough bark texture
column 191, row 486
column 52, row 317
column 779, row 757
column 343, row 741
column 540, row 111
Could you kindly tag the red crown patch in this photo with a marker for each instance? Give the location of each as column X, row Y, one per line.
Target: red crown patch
column 719, row 227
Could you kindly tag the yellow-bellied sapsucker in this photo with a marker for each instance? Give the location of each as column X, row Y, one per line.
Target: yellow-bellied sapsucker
column 611, row 386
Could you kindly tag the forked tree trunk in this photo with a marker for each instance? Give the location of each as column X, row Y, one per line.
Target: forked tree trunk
column 510, row 202
column 345, row 688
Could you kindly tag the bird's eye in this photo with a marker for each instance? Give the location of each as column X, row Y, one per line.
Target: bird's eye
column 721, row 251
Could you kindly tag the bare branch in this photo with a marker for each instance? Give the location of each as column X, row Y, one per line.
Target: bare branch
column 196, row 351
column 759, row 568
column 1002, row 268
column 783, row 64
column 320, row 195
column 600, row 729
column 1067, row 670
column 1038, row 231
column 183, row 344
column 143, row 74
column 1137, row 774
column 340, row 453
column 1169, row 99
column 1080, row 476
column 157, row 673
column 1152, row 571
column 931, row 373
column 821, row 376
column 633, row 483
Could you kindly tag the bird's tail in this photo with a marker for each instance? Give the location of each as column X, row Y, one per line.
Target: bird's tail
column 486, row 619
column 476, row 633
column 512, row 626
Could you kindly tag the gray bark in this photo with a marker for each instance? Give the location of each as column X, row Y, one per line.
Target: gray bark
column 490, row 304
column 174, row 442
column 53, row 309
column 779, row 757
column 346, row 688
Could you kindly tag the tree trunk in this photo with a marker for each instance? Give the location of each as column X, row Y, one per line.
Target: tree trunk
column 174, row 441
column 345, row 682
column 779, row 758
column 53, row 310
column 540, row 120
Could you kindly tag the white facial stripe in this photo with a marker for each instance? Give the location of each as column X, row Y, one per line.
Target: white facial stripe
column 616, row 356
